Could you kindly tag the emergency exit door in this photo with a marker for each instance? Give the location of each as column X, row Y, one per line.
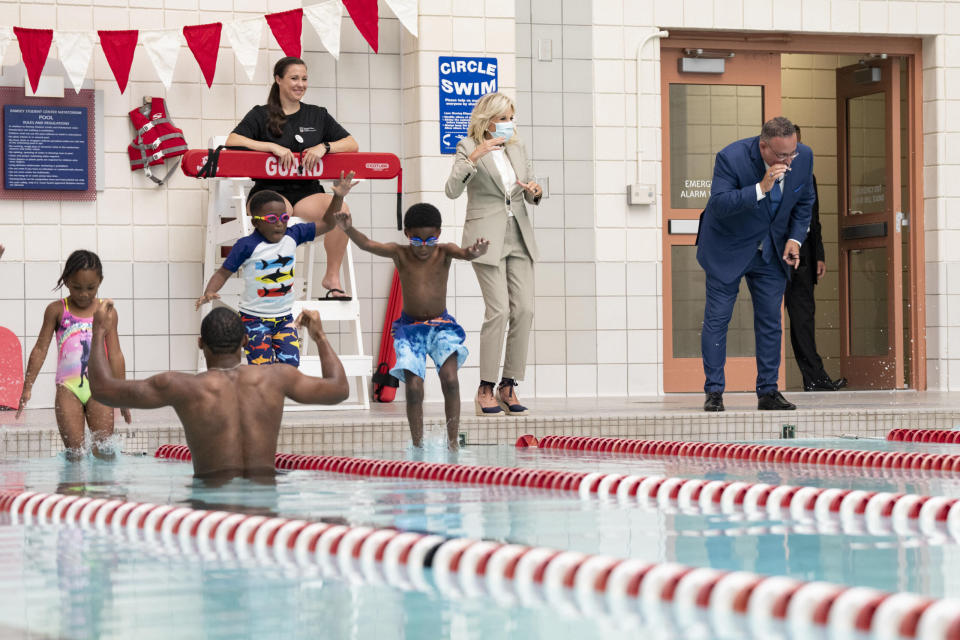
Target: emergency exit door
column 701, row 114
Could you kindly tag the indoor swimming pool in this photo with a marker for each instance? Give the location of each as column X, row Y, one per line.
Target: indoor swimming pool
column 73, row 581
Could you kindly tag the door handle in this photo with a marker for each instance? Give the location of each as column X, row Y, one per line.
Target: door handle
column 902, row 220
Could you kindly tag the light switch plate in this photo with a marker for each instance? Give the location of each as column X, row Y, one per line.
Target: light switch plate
column 641, row 194
column 544, row 49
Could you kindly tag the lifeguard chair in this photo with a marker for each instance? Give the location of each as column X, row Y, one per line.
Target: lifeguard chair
column 230, row 179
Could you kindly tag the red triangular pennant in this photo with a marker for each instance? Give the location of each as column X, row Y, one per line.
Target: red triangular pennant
column 204, row 42
column 118, row 47
column 34, row 47
column 287, row 27
column 364, row 14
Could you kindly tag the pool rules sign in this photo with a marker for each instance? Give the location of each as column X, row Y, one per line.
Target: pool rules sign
column 462, row 82
column 45, row 148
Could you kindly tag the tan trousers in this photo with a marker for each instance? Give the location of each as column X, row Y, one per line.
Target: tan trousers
column 508, row 295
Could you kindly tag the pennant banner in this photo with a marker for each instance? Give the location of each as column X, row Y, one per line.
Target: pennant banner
column 6, row 35
column 406, row 12
column 204, row 42
column 75, row 49
column 244, row 36
column 118, row 47
column 34, row 47
column 364, row 14
column 325, row 18
column 163, row 48
column 287, row 27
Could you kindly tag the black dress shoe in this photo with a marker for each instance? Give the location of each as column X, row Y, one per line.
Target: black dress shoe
column 826, row 385
column 714, row 401
column 773, row 401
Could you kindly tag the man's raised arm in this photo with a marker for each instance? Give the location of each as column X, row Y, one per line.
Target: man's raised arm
column 333, row 387
column 727, row 195
column 151, row 393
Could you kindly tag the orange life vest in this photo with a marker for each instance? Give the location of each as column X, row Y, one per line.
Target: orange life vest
column 156, row 139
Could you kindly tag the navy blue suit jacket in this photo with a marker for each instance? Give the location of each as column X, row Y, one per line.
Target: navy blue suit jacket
column 735, row 222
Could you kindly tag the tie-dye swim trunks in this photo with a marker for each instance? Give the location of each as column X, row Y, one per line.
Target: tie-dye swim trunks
column 414, row 340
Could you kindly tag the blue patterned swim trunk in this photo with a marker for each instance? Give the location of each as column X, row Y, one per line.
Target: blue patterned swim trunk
column 414, row 340
column 271, row 340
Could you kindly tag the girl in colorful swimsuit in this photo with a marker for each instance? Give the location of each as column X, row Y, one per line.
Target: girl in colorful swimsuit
column 71, row 320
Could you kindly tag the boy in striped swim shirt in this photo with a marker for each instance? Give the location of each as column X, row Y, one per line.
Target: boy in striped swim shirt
column 266, row 260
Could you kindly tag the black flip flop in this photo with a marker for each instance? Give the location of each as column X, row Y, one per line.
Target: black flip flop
column 330, row 296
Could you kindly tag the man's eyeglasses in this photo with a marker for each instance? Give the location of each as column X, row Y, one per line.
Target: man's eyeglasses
column 786, row 156
column 272, row 218
column 420, row 242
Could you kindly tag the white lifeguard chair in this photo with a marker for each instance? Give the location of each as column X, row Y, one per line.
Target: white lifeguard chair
column 227, row 222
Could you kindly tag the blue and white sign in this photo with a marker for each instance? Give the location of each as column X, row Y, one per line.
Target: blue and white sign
column 462, row 82
column 45, row 148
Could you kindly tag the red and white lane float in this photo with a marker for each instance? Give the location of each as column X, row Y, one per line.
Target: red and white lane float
column 887, row 460
column 629, row 590
column 826, row 509
column 821, row 509
column 934, row 436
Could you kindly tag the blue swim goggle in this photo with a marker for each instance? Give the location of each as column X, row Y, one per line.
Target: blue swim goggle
column 420, row 242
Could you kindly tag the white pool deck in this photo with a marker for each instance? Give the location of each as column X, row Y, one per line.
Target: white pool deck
column 670, row 417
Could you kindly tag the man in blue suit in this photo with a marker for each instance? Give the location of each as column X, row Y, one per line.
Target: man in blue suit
column 757, row 217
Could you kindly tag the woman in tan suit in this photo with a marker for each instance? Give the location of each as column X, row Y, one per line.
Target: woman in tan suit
column 491, row 164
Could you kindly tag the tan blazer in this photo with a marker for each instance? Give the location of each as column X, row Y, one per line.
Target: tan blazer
column 487, row 200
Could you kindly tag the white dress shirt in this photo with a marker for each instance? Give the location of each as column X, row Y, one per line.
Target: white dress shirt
column 507, row 175
column 779, row 183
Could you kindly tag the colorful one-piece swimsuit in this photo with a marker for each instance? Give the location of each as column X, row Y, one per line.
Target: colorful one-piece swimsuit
column 74, row 335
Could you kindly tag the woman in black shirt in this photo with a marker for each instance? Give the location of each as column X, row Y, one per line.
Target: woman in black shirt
column 284, row 127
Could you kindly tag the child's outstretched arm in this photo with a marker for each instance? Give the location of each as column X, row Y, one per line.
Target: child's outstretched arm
column 217, row 280
column 50, row 318
column 472, row 252
column 340, row 190
column 382, row 249
column 152, row 393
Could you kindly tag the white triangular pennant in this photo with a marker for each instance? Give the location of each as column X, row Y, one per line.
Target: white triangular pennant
column 325, row 17
column 244, row 36
column 75, row 49
column 163, row 47
column 6, row 36
column 406, row 12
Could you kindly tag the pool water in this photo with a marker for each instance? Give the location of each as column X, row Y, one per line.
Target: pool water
column 73, row 583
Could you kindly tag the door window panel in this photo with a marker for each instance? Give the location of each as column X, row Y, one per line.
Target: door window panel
column 688, row 291
column 869, row 325
column 703, row 120
column 867, row 153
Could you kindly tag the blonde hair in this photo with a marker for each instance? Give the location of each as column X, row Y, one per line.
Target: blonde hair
column 487, row 108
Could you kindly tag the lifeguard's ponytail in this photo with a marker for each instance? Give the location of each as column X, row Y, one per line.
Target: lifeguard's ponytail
column 275, row 117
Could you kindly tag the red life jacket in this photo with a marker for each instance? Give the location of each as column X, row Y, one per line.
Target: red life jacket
column 156, row 140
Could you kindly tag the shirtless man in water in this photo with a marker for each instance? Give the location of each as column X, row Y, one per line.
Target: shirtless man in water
column 230, row 413
column 424, row 327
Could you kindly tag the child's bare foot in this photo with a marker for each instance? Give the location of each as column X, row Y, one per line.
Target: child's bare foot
column 486, row 403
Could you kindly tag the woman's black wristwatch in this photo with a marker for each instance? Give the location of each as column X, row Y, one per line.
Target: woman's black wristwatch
column 326, row 145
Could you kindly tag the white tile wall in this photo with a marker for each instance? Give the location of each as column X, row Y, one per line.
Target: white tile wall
column 597, row 325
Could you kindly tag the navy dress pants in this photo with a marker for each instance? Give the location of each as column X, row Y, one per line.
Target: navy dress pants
column 766, row 281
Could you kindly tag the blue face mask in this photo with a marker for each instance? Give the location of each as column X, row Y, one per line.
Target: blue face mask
column 504, row 130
